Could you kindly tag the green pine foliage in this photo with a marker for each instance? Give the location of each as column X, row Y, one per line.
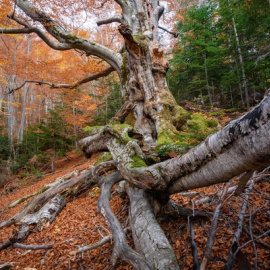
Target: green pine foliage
column 51, row 135
column 205, row 66
column 110, row 104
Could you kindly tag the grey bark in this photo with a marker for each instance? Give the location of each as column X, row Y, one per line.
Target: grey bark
column 148, row 236
column 245, row 139
column 142, row 68
column 39, row 220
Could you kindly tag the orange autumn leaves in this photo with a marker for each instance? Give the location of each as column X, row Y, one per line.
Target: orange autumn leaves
column 26, row 57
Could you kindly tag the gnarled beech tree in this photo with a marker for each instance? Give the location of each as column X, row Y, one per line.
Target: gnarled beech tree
column 148, row 118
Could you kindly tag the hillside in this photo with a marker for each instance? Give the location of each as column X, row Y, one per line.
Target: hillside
column 79, row 224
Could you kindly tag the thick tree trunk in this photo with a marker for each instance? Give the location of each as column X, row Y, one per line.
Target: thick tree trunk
column 143, row 75
column 243, row 145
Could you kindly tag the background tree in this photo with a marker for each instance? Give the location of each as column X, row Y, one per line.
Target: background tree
column 234, row 40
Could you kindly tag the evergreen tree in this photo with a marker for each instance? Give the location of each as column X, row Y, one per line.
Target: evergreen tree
column 223, row 53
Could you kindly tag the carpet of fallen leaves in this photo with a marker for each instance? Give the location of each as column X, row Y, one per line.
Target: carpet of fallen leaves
column 79, row 224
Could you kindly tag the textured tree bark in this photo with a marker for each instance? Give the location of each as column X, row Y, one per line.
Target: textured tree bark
column 148, row 236
column 241, row 146
column 37, row 202
column 38, row 220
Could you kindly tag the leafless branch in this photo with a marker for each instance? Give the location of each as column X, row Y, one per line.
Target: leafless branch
column 117, row 18
column 100, row 243
column 12, row 17
column 168, row 31
column 32, row 247
column 210, row 239
column 258, row 240
column 250, row 241
column 253, row 243
column 238, row 232
column 87, row 79
column 242, row 182
column 194, row 249
column 49, row 42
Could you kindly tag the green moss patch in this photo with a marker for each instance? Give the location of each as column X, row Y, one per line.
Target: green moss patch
column 137, row 162
column 103, row 157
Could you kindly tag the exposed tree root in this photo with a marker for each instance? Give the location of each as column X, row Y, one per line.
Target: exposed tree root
column 121, row 248
column 148, row 236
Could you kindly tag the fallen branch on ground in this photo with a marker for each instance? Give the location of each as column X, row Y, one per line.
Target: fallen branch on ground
column 103, row 241
column 210, row 238
column 31, row 247
column 238, row 232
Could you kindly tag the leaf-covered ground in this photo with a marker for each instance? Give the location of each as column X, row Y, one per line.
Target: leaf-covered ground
column 79, row 224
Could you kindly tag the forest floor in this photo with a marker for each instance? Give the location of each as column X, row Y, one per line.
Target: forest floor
column 79, row 224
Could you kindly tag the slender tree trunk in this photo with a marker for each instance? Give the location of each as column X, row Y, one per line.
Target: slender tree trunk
column 207, row 82
column 25, row 96
column 241, row 61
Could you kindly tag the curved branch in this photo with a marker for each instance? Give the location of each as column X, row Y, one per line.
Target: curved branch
column 117, row 18
column 160, row 11
column 246, row 139
column 87, row 79
column 121, row 248
column 49, row 42
column 121, row 3
column 69, row 40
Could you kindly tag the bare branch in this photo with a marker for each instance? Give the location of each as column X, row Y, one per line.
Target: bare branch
column 121, row 3
column 212, row 232
column 117, row 18
column 160, row 11
column 194, row 249
column 250, row 241
column 12, row 17
column 253, row 243
column 242, row 183
column 87, row 79
column 31, row 247
column 49, row 42
column 103, row 241
column 238, row 232
column 168, row 31
column 67, row 40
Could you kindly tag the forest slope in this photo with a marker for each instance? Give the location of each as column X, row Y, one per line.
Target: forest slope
column 79, row 224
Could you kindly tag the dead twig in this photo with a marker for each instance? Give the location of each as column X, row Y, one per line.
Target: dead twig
column 100, row 243
column 253, row 243
column 210, row 239
column 238, row 232
column 194, row 249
